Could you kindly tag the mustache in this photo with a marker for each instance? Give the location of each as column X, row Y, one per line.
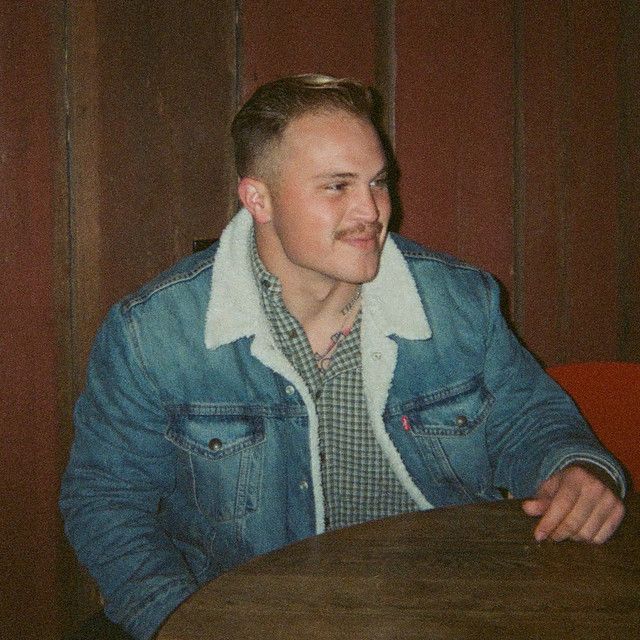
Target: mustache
column 373, row 229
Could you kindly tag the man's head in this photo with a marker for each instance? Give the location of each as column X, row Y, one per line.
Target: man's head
column 314, row 180
column 259, row 125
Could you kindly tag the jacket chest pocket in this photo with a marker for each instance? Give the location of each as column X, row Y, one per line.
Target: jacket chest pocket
column 223, row 460
column 447, row 427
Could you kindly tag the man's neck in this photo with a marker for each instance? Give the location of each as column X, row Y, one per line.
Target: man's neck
column 322, row 305
column 321, row 310
column 307, row 294
column 308, row 301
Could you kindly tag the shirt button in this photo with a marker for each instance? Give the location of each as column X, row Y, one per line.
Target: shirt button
column 376, row 355
column 293, row 333
column 215, row 444
column 461, row 421
column 303, row 484
column 289, row 390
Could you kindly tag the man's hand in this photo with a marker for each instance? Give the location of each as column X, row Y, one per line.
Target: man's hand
column 575, row 504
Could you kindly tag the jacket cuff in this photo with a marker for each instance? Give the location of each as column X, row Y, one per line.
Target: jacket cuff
column 604, row 463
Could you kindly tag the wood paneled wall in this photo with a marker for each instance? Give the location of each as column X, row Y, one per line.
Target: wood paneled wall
column 454, row 128
column 517, row 130
column 569, row 216
column 33, row 301
column 516, row 127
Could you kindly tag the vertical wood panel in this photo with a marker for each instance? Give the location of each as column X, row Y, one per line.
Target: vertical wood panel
column 306, row 36
column 31, row 196
column 152, row 96
column 454, row 128
column 629, row 155
column 571, row 132
column 544, row 110
column 594, row 32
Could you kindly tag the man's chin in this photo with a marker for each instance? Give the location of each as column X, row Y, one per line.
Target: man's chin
column 362, row 276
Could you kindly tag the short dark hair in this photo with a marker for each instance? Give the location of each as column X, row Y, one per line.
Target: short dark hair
column 260, row 123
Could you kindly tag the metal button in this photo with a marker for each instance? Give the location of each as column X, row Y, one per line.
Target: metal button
column 215, row 444
column 461, row 421
column 303, row 484
column 289, row 390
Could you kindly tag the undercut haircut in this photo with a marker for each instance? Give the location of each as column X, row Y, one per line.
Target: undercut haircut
column 259, row 125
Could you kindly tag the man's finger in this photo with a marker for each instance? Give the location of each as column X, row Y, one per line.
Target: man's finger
column 610, row 525
column 560, row 506
column 586, row 520
column 537, row 505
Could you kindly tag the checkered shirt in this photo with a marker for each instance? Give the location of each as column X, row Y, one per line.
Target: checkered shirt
column 358, row 481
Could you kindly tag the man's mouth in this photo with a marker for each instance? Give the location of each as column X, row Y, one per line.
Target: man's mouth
column 360, row 235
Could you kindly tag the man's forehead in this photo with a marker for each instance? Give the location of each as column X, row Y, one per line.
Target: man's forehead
column 320, row 122
column 334, row 142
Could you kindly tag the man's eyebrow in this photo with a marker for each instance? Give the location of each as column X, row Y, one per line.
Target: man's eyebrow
column 348, row 174
column 337, row 174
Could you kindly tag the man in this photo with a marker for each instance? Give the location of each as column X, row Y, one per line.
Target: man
column 309, row 372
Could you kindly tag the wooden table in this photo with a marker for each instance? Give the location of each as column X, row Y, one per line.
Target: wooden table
column 455, row 573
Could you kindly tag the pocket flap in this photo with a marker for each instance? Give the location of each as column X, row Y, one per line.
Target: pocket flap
column 453, row 411
column 206, row 431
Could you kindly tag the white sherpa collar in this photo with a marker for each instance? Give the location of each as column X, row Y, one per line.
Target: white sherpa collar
column 391, row 299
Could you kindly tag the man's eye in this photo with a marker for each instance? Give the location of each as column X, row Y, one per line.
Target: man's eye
column 380, row 183
column 337, row 186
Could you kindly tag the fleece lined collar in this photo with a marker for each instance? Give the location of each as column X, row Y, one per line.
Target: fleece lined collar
column 391, row 299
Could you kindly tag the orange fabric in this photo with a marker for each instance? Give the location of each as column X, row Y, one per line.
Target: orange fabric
column 608, row 395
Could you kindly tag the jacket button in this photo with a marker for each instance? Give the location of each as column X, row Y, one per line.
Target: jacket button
column 303, row 484
column 215, row 444
column 461, row 421
column 289, row 390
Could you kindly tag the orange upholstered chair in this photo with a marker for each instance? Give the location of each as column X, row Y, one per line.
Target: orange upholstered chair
column 608, row 395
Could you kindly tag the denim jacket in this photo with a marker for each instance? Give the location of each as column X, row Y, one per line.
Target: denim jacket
column 196, row 442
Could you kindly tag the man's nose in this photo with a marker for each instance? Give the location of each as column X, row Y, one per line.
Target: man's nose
column 367, row 206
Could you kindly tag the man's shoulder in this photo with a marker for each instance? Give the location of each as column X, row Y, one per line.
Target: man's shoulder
column 418, row 256
column 193, row 272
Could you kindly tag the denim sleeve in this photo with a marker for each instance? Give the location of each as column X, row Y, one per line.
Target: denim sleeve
column 120, row 467
column 535, row 428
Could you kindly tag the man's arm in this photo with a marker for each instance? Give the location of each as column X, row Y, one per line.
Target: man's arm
column 540, row 446
column 120, row 468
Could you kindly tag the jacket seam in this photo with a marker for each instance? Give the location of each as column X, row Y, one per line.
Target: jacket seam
column 146, row 293
column 448, row 262
column 131, row 334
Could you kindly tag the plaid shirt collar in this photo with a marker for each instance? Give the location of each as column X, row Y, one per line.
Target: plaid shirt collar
column 265, row 280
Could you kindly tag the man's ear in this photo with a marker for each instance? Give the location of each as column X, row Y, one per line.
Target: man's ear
column 254, row 195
